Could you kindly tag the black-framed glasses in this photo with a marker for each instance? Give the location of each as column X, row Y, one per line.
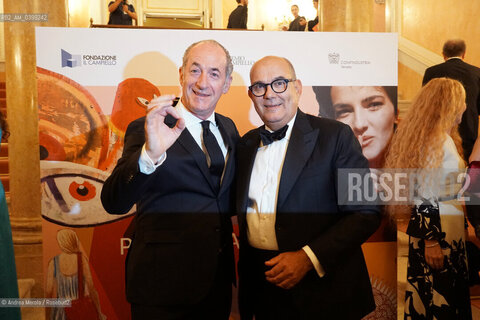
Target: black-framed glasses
column 278, row 86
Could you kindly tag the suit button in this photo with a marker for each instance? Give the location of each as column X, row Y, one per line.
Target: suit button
column 217, row 229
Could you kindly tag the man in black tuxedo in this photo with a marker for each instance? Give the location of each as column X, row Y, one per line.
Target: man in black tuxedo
column 455, row 68
column 177, row 167
column 238, row 17
column 300, row 254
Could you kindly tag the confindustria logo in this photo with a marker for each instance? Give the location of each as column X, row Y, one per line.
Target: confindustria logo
column 70, row 60
column 241, row 61
column 333, row 58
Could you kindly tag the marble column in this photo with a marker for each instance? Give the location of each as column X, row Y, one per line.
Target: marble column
column 333, row 15
column 23, row 148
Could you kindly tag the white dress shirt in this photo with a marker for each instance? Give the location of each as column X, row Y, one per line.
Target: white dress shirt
column 194, row 126
column 263, row 196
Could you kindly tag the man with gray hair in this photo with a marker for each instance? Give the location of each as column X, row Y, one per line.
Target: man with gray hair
column 455, row 68
column 177, row 167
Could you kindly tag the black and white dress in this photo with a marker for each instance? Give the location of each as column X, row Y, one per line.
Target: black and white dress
column 438, row 294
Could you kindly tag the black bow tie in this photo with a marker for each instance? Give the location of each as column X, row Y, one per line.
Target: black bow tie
column 269, row 137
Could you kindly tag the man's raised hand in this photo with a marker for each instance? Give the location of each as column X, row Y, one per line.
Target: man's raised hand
column 158, row 136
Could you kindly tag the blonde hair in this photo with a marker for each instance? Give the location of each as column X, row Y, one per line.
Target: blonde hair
column 418, row 140
column 68, row 241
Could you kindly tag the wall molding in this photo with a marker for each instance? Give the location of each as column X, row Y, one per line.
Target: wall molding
column 410, row 54
column 415, row 56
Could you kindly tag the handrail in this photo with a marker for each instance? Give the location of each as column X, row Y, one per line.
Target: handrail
column 173, row 15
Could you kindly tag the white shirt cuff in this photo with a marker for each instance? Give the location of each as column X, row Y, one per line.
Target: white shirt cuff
column 316, row 264
column 147, row 165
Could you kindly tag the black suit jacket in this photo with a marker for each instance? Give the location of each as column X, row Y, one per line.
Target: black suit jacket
column 295, row 24
column 182, row 221
column 469, row 76
column 308, row 214
column 238, row 18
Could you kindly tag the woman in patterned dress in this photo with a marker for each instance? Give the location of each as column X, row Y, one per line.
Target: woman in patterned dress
column 427, row 138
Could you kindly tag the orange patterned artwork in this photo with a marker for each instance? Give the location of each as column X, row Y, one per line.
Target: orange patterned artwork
column 72, row 126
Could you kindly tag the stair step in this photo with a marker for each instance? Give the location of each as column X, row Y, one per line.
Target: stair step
column 3, row 102
column 3, row 85
column 4, row 166
column 4, row 149
column 6, row 182
column 3, row 93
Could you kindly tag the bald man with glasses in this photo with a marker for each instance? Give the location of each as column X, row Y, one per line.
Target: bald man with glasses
column 300, row 251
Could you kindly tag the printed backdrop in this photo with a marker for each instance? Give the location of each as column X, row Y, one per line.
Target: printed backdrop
column 91, row 84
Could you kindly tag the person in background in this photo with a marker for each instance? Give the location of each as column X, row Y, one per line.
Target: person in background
column 238, row 17
column 121, row 13
column 8, row 272
column 427, row 138
column 455, row 68
column 313, row 23
column 300, row 251
column 371, row 112
column 299, row 22
column 473, row 188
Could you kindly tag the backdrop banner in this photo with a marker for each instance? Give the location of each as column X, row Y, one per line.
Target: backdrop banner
column 91, row 85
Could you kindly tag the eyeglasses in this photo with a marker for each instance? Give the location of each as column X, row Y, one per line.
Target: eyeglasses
column 278, row 86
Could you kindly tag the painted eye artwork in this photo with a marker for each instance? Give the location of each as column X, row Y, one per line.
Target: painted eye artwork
column 71, row 195
column 79, row 145
column 82, row 191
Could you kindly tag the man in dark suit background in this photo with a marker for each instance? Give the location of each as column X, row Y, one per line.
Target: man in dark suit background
column 312, row 23
column 299, row 22
column 238, row 17
column 300, row 254
column 455, row 68
column 177, row 167
column 121, row 13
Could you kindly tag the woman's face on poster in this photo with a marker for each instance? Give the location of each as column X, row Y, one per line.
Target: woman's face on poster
column 370, row 114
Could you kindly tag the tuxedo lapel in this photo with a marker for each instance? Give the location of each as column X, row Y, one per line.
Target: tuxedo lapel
column 246, row 152
column 300, row 147
column 229, row 171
